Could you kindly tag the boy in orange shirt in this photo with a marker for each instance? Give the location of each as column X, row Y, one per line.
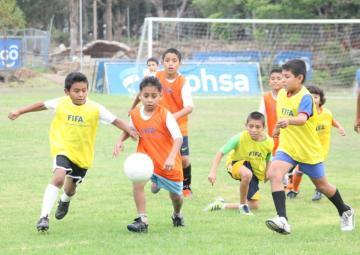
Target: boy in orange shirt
column 176, row 97
column 161, row 139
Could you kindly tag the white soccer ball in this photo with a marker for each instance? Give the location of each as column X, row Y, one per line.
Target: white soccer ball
column 138, row 167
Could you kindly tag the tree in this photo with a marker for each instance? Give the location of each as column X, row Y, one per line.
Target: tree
column 108, row 14
column 11, row 15
column 73, row 20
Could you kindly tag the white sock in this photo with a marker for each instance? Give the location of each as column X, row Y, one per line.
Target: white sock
column 177, row 214
column 143, row 217
column 65, row 198
column 50, row 196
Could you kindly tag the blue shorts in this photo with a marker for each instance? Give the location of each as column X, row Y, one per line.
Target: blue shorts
column 171, row 186
column 314, row 171
column 184, row 150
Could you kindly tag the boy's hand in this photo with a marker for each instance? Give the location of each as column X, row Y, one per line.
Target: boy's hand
column 282, row 123
column 134, row 134
column 357, row 126
column 212, row 178
column 276, row 133
column 342, row 131
column 13, row 115
column 169, row 163
column 119, row 147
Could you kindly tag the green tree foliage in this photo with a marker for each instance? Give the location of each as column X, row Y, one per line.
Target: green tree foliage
column 11, row 15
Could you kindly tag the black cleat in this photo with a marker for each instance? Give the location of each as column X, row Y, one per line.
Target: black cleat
column 292, row 194
column 138, row 226
column 62, row 210
column 178, row 221
column 43, row 224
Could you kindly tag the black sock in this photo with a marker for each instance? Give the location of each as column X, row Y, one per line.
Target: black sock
column 187, row 176
column 279, row 201
column 339, row 203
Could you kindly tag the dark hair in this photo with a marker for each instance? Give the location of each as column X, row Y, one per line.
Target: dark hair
column 152, row 59
column 275, row 70
column 296, row 67
column 74, row 77
column 256, row 116
column 150, row 81
column 174, row 51
column 317, row 91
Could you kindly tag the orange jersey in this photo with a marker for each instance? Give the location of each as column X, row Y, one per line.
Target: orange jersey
column 156, row 141
column 271, row 116
column 172, row 98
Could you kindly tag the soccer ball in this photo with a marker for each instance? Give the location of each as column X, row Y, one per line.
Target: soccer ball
column 138, row 167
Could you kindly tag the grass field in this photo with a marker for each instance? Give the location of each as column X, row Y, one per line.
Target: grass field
column 96, row 223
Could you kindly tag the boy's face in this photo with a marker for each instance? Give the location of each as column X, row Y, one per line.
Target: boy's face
column 150, row 97
column 78, row 93
column 291, row 82
column 152, row 66
column 171, row 63
column 255, row 129
column 276, row 81
column 316, row 99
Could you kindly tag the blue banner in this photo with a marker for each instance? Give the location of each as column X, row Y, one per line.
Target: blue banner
column 204, row 79
column 10, row 53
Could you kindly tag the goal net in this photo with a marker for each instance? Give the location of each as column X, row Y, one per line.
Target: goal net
column 330, row 48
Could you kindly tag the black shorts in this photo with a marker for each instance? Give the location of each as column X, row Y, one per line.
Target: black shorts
column 72, row 170
column 184, row 150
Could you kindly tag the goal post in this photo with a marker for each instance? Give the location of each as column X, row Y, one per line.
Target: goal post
column 330, row 48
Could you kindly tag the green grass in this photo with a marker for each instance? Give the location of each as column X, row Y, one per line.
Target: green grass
column 96, row 223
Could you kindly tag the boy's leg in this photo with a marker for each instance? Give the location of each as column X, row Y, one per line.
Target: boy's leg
column 184, row 151
column 140, row 224
column 296, row 180
column 278, row 168
column 346, row 213
column 177, row 217
column 64, row 202
column 49, row 198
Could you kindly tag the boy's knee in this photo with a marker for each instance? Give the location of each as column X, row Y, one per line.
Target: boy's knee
column 246, row 176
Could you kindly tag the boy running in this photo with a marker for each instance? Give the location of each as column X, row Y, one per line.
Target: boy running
column 300, row 144
column 72, row 140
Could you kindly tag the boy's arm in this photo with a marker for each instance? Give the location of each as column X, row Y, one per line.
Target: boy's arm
column 175, row 132
column 119, row 145
column 214, row 167
column 126, row 128
column 183, row 112
column 268, row 160
column 135, row 103
column 40, row 106
column 340, row 128
column 357, row 120
column 170, row 160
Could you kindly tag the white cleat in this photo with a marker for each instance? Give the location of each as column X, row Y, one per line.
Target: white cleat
column 347, row 220
column 279, row 225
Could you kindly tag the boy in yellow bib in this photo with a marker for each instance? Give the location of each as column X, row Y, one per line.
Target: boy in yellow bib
column 247, row 162
column 324, row 123
column 72, row 140
column 300, row 144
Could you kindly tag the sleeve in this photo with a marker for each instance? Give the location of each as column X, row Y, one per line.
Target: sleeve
column 106, row 116
column 306, row 105
column 52, row 104
column 131, row 123
column 230, row 145
column 268, row 157
column 262, row 106
column 172, row 126
column 186, row 95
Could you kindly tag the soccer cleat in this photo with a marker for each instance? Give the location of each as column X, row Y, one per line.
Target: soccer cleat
column 178, row 221
column 217, row 205
column 292, row 194
column 138, row 226
column 245, row 209
column 279, row 225
column 317, row 196
column 62, row 210
column 43, row 224
column 347, row 220
column 154, row 188
column 187, row 192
